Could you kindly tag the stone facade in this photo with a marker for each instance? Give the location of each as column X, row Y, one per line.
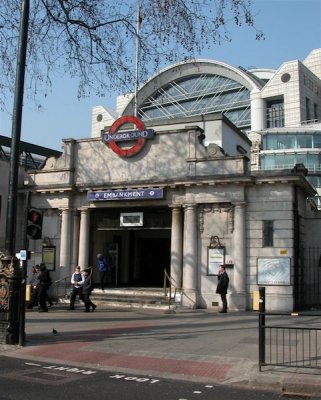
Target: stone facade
column 209, row 195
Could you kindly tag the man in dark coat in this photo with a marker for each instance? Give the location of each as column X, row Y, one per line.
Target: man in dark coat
column 43, row 285
column 222, row 286
column 86, row 292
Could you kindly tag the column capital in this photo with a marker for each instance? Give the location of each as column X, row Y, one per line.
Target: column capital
column 175, row 206
column 64, row 209
column 241, row 204
column 189, row 205
column 83, row 209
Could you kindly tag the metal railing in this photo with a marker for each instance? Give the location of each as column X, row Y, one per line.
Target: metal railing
column 289, row 340
column 61, row 288
column 170, row 286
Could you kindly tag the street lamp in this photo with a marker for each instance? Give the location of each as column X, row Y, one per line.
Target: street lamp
column 14, row 159
column 16, row 130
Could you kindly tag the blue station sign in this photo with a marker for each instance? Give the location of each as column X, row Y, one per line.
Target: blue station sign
column 127, row 194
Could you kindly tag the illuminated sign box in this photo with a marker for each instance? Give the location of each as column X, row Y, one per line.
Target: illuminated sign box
column 131, row 219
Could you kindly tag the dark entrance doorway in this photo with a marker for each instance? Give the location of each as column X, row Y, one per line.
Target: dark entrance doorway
column 137, row 253
column 152, row 256
column 307, row 282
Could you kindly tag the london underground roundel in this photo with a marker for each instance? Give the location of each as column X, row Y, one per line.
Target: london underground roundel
column 139, row 136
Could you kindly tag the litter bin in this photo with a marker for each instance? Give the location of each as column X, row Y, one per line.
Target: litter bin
column 28, row 292
column 256, row 300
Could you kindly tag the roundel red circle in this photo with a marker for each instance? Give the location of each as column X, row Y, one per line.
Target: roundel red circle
column 139, row 143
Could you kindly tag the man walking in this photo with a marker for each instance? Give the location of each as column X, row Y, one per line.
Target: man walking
column 86, row 292
column 77, row 280
column 222, row 286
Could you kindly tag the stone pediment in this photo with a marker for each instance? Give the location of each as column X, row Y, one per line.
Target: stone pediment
column 213, row 150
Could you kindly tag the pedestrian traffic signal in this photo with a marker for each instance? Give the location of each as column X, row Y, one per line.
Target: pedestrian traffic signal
column 34, row 224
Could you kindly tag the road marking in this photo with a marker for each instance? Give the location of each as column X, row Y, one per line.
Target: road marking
column 33, row 364
column 134, row 378
column 72, row 370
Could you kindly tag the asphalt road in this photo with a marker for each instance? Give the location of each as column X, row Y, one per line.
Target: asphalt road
column 24, row 380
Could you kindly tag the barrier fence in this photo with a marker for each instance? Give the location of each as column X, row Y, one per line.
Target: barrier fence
column 289, row 340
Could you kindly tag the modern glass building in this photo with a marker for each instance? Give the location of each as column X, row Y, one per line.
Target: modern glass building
column 279, row 109
column 284, row 149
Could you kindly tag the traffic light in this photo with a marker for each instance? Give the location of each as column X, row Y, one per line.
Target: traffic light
column 34, row 224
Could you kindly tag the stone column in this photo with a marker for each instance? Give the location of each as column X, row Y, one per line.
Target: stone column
column 75, row 236
column 239, row 245
column 258, row 111
column 84, row 238
column 190, row 256
column 65, row 239
column 176, row 246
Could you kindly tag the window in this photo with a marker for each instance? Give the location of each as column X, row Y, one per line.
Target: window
column 315, row 111
column 316, row 140
column 307, row 109
column 268, row 231
column 304, row 141
column 275, row 113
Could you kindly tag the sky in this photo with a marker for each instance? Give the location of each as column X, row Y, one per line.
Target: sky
column 292, row 30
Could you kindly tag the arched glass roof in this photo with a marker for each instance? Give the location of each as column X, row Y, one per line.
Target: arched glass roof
column 199, row 94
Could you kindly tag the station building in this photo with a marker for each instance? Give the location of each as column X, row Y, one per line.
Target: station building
column 181, row 187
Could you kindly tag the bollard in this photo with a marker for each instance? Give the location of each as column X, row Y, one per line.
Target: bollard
column 28, row 292
column 261, row 327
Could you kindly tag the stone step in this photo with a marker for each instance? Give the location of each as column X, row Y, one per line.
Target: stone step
column 152, row 298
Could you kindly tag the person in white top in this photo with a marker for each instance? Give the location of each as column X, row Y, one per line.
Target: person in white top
column 77, row 280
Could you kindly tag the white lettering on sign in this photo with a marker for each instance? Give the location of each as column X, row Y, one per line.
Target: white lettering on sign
column 126, row 136
column 114, row 195
column 134, row 378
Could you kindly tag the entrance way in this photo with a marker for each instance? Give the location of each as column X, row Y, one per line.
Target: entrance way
column 308, row 279
column 137, row 255
column 152, row 256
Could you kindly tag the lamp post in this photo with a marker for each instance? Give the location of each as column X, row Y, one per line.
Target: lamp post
column 14, row 170
column 16, row 130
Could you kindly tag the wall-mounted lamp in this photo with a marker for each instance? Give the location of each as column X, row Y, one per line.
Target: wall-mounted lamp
column 46, row 242
column 215, row 243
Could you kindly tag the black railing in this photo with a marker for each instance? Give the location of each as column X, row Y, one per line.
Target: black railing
column 289, row 340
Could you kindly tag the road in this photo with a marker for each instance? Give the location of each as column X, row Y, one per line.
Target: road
column 24, row 380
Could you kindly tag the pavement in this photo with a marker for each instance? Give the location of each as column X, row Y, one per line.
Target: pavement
column 194, row 345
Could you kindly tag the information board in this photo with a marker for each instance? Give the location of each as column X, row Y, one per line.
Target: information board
column 274, row 271
column 215, row 259
column 48, row 257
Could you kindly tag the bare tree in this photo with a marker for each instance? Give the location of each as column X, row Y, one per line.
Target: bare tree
column 94, row 40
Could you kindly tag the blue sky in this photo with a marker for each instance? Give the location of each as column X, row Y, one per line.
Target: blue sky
column 292, row 29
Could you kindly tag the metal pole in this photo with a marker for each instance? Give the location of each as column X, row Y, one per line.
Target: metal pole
column 138, row 22
column 16, row 130
column 261, row 326
column 22, row 317
column 14, row 160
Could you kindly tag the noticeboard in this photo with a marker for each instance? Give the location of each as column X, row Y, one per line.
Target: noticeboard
column 274, row 271
column 48, row 257
column 214, row 260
